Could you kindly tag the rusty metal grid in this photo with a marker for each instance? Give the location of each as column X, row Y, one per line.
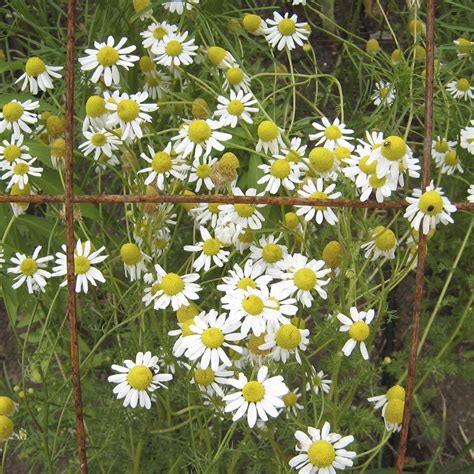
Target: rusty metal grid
column 69, row 198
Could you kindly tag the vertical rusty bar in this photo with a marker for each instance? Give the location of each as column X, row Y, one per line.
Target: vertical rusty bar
column 69, row 208
column 422, row 245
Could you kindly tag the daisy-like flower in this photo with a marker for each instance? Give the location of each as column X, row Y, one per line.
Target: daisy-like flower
column 393, row 406
column 324, row 162
column 254, row 24
column 179, row 6
column 463, row 47
column 291, row 402
column 133, row 260
column 19, row 172
column 18, row 116
column 199, row 137
column 382, row 244
column 450, row 163
column 136, row 380
column 174, row 50
column 284, row 341
column 11, row 150
column 356, row 167
column 384, row 94
column 38, row 75
column 163, row 165
column 96, row 112
column 99, row 142
column 441, row 146
column 286, row 32
column 461, row 89
column 358, row 327
column 429, row 209
column 380, row 401
column 280, row 172
column 220, row 57
column 322, row 451
column 256, row 398
column 269, row 137
column 312, row 190
column 184, row 330
column 332, row 135
column 210, row 381
column 84, row 266
column 381, row 187
column 237, row 107
column 211, row 252
column 294, row 153
column 467, row 138
column 252, row 275
column 105, row 59
column 201, row 173
column 318, row 381
column 237, row 79
column 6, row 428
column 155, row 33
column 245, row 215
column 156, row 85
column 30, row 270
column 211, row 334
column 268, row 252
column 130, row 112
column 206, row 212
column 300, row 275
column 171, row 289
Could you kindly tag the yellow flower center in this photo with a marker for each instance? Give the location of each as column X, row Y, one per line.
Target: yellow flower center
column 139, row 377
column 272, row 253
column 293, row 156
column 204, row 377
column 186, row 312
column 396, row 392
column 305, row 279
column 58, row 148
column 172, row 284
column 211, row 247
column 367, row 169
column 55, row 125
column 394, row 411
column 267, row 131
column 384, row 92
column 451, row 158
column 394, row 148
column 251, row 22
column 95, row 106
column 372, row 46
column 146, row 64
column 212, row 337
column 6, row 427
column 21, row 169
column 28, row 266
column 203, row 170
column 321, row 453
column 333, row 132
column 287, row 27
column 431, row 203
column 288, row 336
column 319, row 195
column 130, row 254
column 359, row 331
column 140, row 5
column 244, row 210
column 332, row 254
column 280, row 169
column 442, row 146
column 253, row 391
column 199, row 131
column 159, row 33
column 12, row 111
column 98, row 139
column 107, row 56
column 128, row 110
column 247, row 237
column 291, row 220
column 35, row 66
column 81, row 264
column 464, row 46
column 173, row 48
column 342, row 152
column 185, row 328
column 384, row 238
column 463, row 85
column 255, row 342
column 11, row 152
column 415, row 27
column 235, row 107
column 253, row 305
column 216, row 55
column 246, row 282
column 7, row 407
column 161, row 162
column 321, row 159
column 377, row 182
column 290, row 399
column 234, row 75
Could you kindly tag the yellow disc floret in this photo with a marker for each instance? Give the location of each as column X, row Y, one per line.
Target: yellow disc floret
column 7, row 406
column 234, row 75
column 6, row 427
column 81, row 264
column 244, row 210
column 359, row 331
column 321, row 159
column 463, row 46
column 255, row 342
column 107, row 56
column 211, row 247
column 161, row 162
column 130, row 253
column 173, row 48
column 288, row 336
column 186, row 312
column 246, row 282
column 305, row 279
column 463, row 84
column 128, row 110
column 253, row 305
column 212, row 337
column 28, row 266
column 204, row 376
column 11, row 153
column 172, row 284
column 394, row 148
column 397, row 391
column 251, row 22
column 272, row 253
column 199, row 131
column 394, row 411
column 332, row 254
column 280, row 168
column 35, row 66
column 235, row 107
column 290, row 399
column 286, row 27
column 384, row 238
column 372, row 46
column 95, row 106
column 267, row 131
column 321, row 453
column 253, row 391
column 216, row 55
column 140, row 377
column 291, row 220
column 12, row 111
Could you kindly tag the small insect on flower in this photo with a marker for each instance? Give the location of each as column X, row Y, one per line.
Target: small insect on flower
column 133, row 260
column 211, row 252
column 358, row 328
column 155, row 33
column 105, row 59
column 332, row 135
column 30, row 270
column 20, row 171
column 12, row 150
column 38, row 75
column 136, row 380
column 461, row 89
column 269, row 137
column 429, row 208
column 17, row 116
column 174, row 50
column 237, row 107
column 84, row 269
column 382, row 244
column 322, row 451
column 101, row 142
column 257, row 398
column 286, row 32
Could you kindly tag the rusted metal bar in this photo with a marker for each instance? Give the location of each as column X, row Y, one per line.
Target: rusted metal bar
column 422, row 244
column 69, row 208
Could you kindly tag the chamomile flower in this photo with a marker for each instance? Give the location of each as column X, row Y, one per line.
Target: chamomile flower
column 137, row 380
column 291, row 401
column 171, row 289
column 256, row 398
column 461, row 89
column 205, row 213
column 6, row 428
column 130, row 112
column 12, row 150
column 164, row 164
column 174, row 50
column 220, row 57
column 312, row 190
column 155, row 33
column 105, row 58
column 245, row 215
column 184, row 330
column 381, row 187
column 384, row 94
column 467, row 138
column 357, row 169
column 318, row 382
column 429, row 209
column 269, row 137
column 392, row 413
column 441, row 146
column 268, row 252
column 211, row 334
column 286, row 32
column 180, row 6
column 84, row 265
column 99, row 142
column 450, row 163
column 210, row 381
column 280, row 172
column 199, row 137
column 332, row 135
column 143, row 7
column 133, row 260
column 254, row 24
column 322, row 451
column 201, row 173
column 358, row 328
column 211, row 252
column 18, row 116
column 157, row 85
column 235, row 78
column 251, row 275
column 284, row 341
column 295, row 153
column 382, row 244
column 324, row 162
column 395, row 392
column 237, row 107
column 96, row 112
column 38, row 75
column 463, row 47
column 300, row 276
column 30, row 270
column 19, row 172
column 227, row 231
